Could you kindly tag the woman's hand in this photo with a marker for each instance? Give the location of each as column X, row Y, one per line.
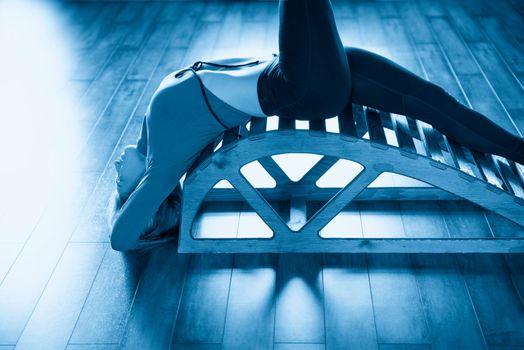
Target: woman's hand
column 130, row 167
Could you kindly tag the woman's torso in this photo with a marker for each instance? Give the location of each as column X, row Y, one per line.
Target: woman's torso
column 236, row 86
column 182, row 120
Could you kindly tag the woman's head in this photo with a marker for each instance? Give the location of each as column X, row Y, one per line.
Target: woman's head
column 130, row 167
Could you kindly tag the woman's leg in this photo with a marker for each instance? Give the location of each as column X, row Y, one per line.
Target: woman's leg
column 381, row 83
column 311, row 77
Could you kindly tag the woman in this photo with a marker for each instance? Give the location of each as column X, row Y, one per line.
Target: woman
column 313, row 77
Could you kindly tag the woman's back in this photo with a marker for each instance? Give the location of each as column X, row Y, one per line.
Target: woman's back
column 236, row 86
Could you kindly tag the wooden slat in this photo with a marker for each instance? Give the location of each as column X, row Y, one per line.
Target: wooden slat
column 286, row 125
column 404, row 138
column 257, row 127
column 375, row 127
column 447, row 150
column 346, row 122
column 511, row 182
column 90, row 61
column 386, row 119
column 518, row 170
column 460, row 160
column 429, row 137
column 485, row 163
column 359, row 117
column 230, row 138
column 244, row 131
column 317, row 127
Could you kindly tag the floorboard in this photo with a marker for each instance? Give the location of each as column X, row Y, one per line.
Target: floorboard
column 250, row 316
column 349, row 316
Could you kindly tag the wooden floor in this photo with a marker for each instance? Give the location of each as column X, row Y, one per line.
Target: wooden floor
column 76, row 80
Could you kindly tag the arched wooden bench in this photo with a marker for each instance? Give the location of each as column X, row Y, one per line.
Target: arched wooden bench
column 379, row 142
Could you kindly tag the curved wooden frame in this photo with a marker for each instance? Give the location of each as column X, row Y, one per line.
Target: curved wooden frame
column 491, row 182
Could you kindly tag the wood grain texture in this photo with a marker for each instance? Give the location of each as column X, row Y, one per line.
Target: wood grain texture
column 105, row 310
column 61, row 287
column 63, row 298
column 350, row 320
column 150, row 323
column 398, row 311
column 250, row 314
column 204, row 302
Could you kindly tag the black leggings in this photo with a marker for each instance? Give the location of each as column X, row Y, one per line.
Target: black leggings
column 315, row 77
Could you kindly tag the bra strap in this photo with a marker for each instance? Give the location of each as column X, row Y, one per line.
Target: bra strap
column 205, row 97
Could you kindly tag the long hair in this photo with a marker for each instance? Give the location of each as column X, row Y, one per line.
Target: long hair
column 163, row 224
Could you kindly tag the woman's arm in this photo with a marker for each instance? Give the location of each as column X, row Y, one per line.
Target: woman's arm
column 133, row 218
column 165, row 220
